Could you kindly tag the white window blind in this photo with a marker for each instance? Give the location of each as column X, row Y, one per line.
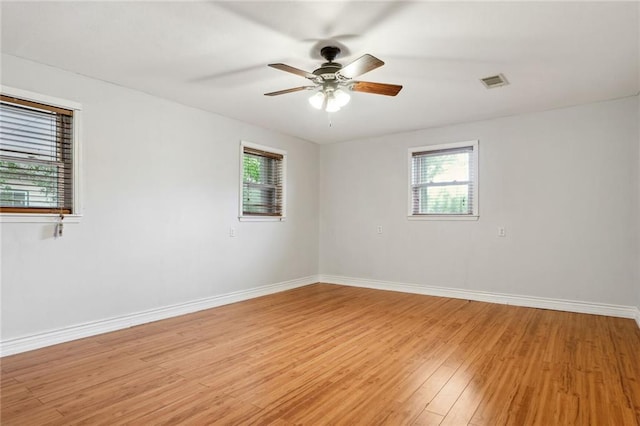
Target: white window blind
column 36, row 158
column 444, row 180
column 262, row 182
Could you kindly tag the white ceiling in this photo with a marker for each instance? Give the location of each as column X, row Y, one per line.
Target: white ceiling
column 213, row 55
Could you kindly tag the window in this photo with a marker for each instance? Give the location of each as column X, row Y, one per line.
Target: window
column 38, row 167
column 14, row 198
column 443, row 181
column 262, row 182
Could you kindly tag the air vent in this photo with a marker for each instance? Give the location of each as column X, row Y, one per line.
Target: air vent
column 494, row 81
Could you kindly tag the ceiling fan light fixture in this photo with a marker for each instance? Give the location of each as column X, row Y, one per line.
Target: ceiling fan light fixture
column 317, row 100
column 341, row 97
column 335, row 99
column 331, row 78
column 332, row 104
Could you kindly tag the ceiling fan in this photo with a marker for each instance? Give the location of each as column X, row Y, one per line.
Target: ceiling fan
column 332, row 78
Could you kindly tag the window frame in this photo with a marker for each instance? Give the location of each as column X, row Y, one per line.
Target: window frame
column 258, row 217
column 474, row 179
column 48, row 217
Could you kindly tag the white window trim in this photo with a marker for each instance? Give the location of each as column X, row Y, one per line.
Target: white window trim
column 475, row 178
column 76, row 215
column 251, row 218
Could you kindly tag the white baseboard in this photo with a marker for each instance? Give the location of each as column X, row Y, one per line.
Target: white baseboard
column 482, row 296
column 27, row 343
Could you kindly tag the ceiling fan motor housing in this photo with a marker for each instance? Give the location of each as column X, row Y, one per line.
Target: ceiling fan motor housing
column 328, row 70
column 330, row 52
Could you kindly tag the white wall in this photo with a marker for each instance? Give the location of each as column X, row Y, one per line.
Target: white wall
column 160, row 194
column 638, row 180
column 564, row 183
column 638, row 216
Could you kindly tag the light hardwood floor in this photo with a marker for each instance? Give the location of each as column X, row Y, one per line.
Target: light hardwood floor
column 327, row 354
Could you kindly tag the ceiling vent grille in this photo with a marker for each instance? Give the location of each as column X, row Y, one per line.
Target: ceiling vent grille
column 498, row 80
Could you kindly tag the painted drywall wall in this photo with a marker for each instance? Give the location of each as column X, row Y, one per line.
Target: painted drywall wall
column 160, row 196
column 638, row 216
column 563, row 183
column 638, row 180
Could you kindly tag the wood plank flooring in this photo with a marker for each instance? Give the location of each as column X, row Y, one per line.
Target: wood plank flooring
column 327, row 354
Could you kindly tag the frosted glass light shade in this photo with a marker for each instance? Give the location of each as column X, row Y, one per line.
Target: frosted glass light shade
column 317, row 100
column 341, row 97
column 336, row 99
column 332, row 103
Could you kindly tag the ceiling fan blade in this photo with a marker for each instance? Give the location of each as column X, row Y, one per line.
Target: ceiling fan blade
column 376, row 88
column 295, row 89
column 363, row 64
column 296, row 71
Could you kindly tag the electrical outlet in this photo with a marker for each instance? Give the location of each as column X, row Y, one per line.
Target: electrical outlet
column 379, row 229
column 502, row 232
column 232, row 232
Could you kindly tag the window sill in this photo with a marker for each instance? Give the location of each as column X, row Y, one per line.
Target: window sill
column 444, row 217
column 261, row 218
column 38, row 218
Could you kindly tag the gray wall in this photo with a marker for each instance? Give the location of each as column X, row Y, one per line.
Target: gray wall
column 564, row 184
column 638, row 216
column 160, row 194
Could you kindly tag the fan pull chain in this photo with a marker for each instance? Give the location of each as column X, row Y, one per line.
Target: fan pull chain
column 329, row 119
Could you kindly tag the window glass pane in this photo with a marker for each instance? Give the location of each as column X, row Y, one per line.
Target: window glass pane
column 443, row 179
column 259, row 200
column 251, row 171
column 443, row 168
column 260, row 169
column 262, row 185
column 36, row 157
column 28, row 134
column 38, row 181
column 14, row 198
column 445, row 199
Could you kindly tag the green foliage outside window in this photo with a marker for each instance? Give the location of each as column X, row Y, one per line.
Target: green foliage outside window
column 251, row 169
column 260, row 193
column 32, row 177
